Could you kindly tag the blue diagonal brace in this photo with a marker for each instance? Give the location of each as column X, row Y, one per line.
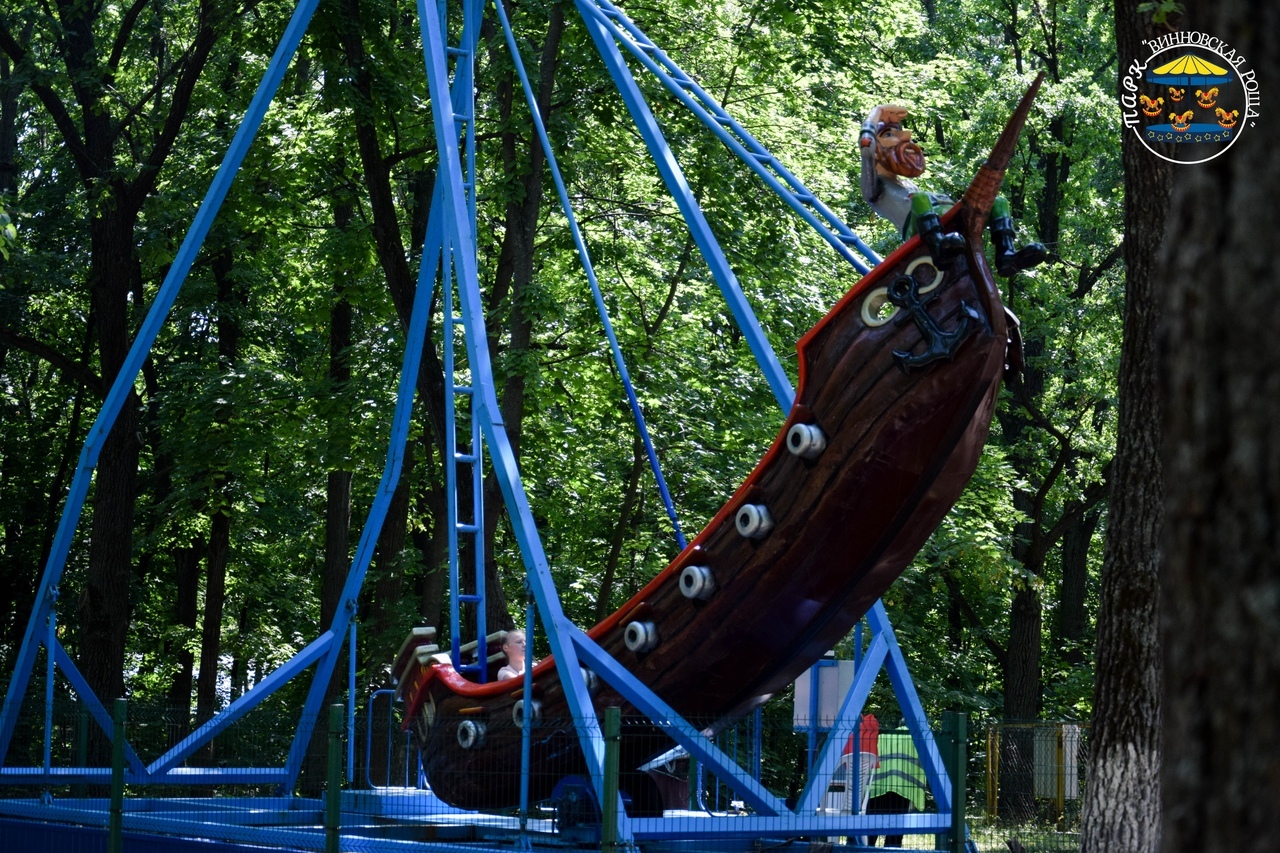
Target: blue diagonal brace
column 124, row 380
column 699, row 229
column 415, row 339
column 735, row 137
column 664, row 716
column 850, row 710
column 244, row 704
column 485, row 405
column 624, row 376
column 909, row 701
column 91, row 703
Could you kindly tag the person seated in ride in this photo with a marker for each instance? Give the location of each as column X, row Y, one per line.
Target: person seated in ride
column 890, row 160
column 513, row 647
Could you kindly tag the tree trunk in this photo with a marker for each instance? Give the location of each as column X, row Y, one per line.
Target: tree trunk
column 9, row 90
column 1073, row 616
column 105, row 601
column 220, row 497
column 337, row 550
column 185, row 614
column 239, row 659
column 215, row 596
column 1122, row 795
column 1021, row 704
column 1220, row 577
column 630, row 497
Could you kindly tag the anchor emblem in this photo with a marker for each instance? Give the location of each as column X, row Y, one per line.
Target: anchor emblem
column 938, row 344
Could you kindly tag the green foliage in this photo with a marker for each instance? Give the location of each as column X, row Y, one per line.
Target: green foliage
column 256, row 437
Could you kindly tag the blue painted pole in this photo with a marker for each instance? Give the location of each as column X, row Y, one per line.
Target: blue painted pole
column 677, row 728
column 92, row 705
column 415, row 339
column 50, row 671
column 589, row 269
column 699, row 228
column 505, row 469
column 351, row 701
column 828, row 757
column 895, row 665
column 735, row 137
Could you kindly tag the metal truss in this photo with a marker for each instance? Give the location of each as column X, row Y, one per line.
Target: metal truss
column 449, row 250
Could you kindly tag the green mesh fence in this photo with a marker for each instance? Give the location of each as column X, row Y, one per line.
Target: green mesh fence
column 1024, row 784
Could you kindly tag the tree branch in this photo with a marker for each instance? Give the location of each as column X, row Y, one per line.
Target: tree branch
column 126, row 29
column 1090, row 276
column 179, row 106
column 49, row 98
column 1093, row 495
column 953, row 588
column 69, row 366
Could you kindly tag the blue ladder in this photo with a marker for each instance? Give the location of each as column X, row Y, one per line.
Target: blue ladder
column 461, row 390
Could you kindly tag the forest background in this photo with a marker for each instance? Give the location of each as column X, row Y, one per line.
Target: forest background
column 230, row 494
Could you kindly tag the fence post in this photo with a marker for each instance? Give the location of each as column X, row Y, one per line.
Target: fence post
column 115, row 824
column 1060, row 772
column 82, row 744
column 333, row 788
column 993, row 768
column 955, row 726
column 609, row 829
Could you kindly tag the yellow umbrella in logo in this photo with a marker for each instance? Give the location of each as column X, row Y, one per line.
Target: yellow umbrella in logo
column 1189, row 70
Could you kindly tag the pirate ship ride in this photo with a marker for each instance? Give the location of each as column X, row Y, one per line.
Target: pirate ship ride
column 897, row 385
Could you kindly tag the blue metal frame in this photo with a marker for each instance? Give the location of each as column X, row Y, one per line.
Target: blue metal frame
column 747, row 148
column 699, row 228
column 450, row 248
column 584, row 257
column 47, row 591
column 456, row 226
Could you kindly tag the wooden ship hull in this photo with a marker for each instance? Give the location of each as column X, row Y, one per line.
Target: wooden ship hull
column 903, row 433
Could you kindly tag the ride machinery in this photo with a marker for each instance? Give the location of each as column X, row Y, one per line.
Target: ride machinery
column 896, row 389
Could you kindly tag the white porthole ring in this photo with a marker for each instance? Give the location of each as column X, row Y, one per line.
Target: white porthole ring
column 873, row 313
column 923, row 261
column 590, row 680
column 697, row 582
column 517, row 711
column 471, row 734
column 753, row 520
column 641, row 636
column 426, row 718
column 806, row 441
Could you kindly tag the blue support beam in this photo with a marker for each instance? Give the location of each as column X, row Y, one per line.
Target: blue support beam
column 845, row 721
column 237, row 709
column 736, row 138
column 588, row 268
column 666, row 718
column 913, row 711
column 415, row 340
column 747, row 827
column 457, row 229
column 100, row 714
column 699, row 228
